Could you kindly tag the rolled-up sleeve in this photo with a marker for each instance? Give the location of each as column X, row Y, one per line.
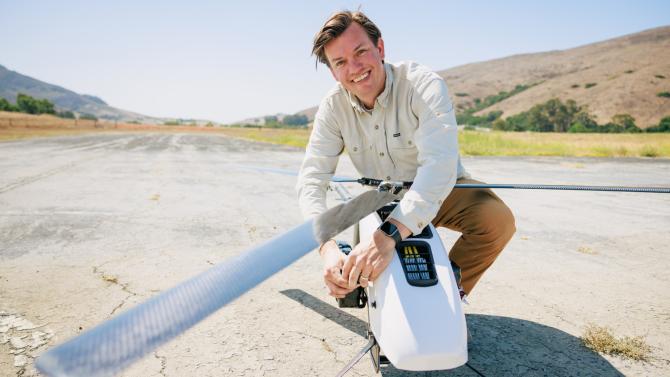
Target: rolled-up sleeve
column 437, row 145
column 321, row 156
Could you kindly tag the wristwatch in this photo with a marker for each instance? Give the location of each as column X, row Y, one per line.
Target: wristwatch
column 392, row 231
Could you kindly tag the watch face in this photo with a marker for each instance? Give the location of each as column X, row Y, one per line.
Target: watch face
column 388, row 228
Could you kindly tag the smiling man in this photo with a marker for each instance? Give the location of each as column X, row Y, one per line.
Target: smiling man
column 396, row 122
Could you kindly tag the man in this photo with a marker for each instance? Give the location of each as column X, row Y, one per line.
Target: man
column 396, row 123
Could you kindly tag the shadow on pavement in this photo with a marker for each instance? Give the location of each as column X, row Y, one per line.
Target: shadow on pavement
column 500, row 346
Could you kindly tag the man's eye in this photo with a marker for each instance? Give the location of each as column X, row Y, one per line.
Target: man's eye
column 338, row 64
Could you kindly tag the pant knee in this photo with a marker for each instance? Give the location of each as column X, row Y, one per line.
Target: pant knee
column 501, row 224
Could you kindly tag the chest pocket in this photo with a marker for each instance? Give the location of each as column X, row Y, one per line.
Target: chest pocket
column 404, row 155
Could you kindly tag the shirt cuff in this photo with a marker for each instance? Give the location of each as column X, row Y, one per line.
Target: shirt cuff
column 414, row 212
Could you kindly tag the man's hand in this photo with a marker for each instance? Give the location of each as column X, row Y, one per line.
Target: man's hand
column 366, row 262
column 333, row 262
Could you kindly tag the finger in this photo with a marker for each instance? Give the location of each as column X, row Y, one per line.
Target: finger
column 364, row 279
column 353, row 276
column 348, row 265
column 335, row 291
column 334, row 275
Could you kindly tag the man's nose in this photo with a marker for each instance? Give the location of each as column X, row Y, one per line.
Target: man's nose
column 356, row 64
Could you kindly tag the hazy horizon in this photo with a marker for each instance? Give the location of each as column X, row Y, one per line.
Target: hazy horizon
column 208, row 60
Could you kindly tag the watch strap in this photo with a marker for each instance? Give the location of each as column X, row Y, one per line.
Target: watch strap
column 392, row 231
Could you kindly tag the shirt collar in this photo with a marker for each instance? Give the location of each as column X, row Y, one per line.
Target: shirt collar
column 382, row 99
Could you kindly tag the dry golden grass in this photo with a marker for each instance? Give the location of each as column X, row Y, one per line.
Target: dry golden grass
column 476, row 143
column 9, row 134
column 600, row 339
column 292, row 137
column 472, row 143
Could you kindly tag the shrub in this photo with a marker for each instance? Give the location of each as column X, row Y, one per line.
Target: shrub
column 663, row 126
column 65, row 114
column 30, row 105
column 87, row 116
column 663, row 94
column 649, row 151
column 600, row 339
column 577, row 127
column 659, row 76
column 590, row 85
column 629, row 71
column 626, row 122
column 295, row 120
column 461, row 94
column 6, row 106
column 573, row 86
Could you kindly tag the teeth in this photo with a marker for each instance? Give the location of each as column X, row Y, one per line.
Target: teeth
column 361, row 77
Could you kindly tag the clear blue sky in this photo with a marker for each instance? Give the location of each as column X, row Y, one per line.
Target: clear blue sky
column 227, row 61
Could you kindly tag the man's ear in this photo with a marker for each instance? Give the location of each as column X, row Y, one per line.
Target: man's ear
column 380, row 47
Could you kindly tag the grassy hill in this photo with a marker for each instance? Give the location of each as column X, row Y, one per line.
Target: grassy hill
column 12, row 82
column 618, row 76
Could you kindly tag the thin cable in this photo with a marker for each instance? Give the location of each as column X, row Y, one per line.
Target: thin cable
column 474, row 370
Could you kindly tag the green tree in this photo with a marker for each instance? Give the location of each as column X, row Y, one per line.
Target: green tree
column 65, row 114
column 663, row 126
column 626, row 122
column 577, row 127
column 295, row 120
column 6, row 106
column 30, row 105
column 88, row 116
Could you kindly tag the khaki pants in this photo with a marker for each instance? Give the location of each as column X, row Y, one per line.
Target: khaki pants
column 486, row 225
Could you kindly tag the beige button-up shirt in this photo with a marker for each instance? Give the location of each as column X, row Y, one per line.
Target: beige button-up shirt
column 409, row 135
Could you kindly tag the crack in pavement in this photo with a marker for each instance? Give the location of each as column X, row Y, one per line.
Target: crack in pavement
column 114, row 280
column 163, row 360
column 324, row 344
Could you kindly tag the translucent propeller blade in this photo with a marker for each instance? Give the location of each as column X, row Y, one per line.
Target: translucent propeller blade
column 122, row 340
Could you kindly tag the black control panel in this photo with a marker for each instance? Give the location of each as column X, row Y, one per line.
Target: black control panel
column 417, row 263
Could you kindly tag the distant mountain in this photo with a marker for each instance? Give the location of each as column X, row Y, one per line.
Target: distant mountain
column 628, row 73
column 12, row 83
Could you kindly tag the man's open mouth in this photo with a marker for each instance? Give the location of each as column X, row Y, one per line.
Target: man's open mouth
column 361, row 77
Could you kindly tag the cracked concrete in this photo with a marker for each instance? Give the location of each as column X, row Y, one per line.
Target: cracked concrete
column 83, row 243
column 115, row 281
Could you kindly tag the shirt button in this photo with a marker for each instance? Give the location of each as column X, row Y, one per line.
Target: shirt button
column 355, row 149
column 388, row 177
column 409, row 142
column 381, row 154
column 376, row 126
column 420, row 225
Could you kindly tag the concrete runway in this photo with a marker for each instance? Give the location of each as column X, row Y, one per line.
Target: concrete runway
column 92, row 225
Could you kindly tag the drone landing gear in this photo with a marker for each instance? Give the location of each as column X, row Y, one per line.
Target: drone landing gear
column 378, row 360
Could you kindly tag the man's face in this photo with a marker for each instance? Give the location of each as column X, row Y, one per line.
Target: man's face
column 356, row 63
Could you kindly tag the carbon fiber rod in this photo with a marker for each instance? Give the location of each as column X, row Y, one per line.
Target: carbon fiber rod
column 517, row 186
column 660, row 190
column 523, row 186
